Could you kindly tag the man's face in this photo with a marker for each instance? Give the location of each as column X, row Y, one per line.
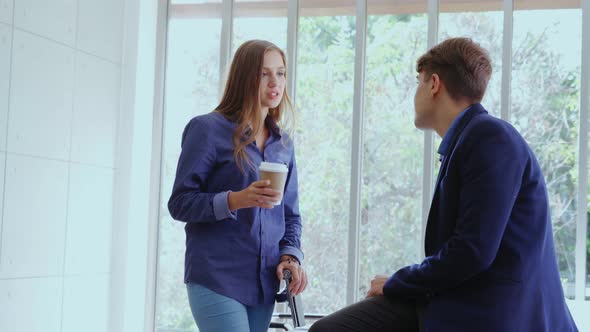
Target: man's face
column 423, row 105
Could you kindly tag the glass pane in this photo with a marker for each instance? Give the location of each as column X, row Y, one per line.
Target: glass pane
column 194, row 9
column 188, row 2
column 327, row 8
column 393, row 147
column 323, row 137
column 486, row 29
column 545, row 109
column 587, row 297
column 256, row 21
column 192, row 77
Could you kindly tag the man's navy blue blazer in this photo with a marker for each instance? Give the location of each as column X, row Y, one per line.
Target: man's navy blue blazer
column 490, row 260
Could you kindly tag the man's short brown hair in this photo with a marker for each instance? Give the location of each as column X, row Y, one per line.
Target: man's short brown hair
column 462, row 65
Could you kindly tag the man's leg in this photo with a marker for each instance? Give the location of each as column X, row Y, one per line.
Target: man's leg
column 374, row 314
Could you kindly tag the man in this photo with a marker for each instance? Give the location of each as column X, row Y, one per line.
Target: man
column 490, row 261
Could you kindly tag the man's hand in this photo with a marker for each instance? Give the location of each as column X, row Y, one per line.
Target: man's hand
column 377, row 285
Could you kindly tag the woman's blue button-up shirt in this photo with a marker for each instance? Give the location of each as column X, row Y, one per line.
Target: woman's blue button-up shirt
column 234, row 253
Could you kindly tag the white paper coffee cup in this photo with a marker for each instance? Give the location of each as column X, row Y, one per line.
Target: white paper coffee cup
column 276, row 173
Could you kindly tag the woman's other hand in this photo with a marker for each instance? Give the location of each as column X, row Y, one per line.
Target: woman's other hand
column 299, row 278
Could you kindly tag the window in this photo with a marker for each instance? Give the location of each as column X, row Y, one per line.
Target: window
column 325, row 70
column 266, row 21
column 484, row 25
column 192, row 76
column 391, row 224
column 545, row 108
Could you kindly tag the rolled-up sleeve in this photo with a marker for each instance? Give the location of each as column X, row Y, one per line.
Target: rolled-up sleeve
column 221, row 206
column 189, row 202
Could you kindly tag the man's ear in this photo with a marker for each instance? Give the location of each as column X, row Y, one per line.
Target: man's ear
column 435, row 85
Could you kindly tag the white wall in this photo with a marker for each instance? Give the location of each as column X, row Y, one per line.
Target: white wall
column 579, row 310
column 60, row 89
column 137, row 177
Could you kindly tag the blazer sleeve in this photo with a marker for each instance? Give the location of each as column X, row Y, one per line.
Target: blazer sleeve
column 491, row 170
column 189, row 201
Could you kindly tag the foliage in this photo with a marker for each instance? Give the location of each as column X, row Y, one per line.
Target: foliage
column 549, row 121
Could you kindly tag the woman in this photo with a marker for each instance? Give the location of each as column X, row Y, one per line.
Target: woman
column 237, row 241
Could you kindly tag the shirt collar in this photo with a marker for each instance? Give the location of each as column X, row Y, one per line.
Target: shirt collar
column 272, row 126
column 268, row 121
column 445, row 145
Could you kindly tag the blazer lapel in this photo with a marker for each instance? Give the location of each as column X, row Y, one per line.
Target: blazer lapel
column 474, row 110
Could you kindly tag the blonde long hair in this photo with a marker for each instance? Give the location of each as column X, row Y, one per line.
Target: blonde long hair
column 241, row 99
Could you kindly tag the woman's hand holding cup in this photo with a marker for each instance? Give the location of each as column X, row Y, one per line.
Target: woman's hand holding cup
column 258, row 193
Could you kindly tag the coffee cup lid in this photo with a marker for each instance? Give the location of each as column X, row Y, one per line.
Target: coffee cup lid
column 272, row 167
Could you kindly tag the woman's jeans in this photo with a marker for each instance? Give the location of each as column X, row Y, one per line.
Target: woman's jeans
column 214, row 312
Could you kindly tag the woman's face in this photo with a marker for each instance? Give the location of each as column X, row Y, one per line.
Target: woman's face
column 272, row 80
